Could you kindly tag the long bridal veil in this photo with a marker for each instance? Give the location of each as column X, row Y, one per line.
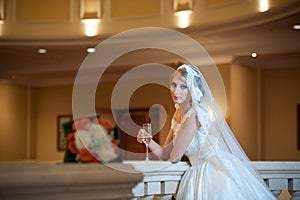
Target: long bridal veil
column 218, row 135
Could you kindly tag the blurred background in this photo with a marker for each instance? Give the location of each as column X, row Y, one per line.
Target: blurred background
column 254, row 43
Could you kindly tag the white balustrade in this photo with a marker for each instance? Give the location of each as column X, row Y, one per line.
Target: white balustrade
column 127, row 180
column 161, row 179
column 281, row 176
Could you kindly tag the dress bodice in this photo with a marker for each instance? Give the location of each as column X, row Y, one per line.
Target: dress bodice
column 195, row 145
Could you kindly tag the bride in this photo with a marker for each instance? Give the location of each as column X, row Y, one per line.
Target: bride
column 220, row 170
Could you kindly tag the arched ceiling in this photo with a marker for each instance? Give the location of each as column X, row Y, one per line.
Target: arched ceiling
column 228, row 29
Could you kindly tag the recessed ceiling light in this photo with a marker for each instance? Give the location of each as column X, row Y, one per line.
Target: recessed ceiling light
column 296, row 26
column 42, row 51
column 253, row 55
column 91, row 50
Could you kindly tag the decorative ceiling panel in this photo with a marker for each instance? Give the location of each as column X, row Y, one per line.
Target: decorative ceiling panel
column 213, row 3
column 135, row 8
column 46, row 10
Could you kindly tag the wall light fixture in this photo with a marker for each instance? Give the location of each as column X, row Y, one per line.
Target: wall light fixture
column 263, row 5
column 183, row 9
column 1, row 11
column 90, row 15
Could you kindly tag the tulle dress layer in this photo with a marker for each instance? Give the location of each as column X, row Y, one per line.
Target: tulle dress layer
column 218, row 176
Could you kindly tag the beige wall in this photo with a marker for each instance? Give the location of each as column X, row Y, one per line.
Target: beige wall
column 225, row 73
column 281, row 90
column 265, row 114
column 13, row 121
column 51, row 102
column 263, row 111
column 244, row 108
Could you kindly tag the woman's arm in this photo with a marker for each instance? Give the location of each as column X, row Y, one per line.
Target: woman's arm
column 183, row 138
column 161, row 152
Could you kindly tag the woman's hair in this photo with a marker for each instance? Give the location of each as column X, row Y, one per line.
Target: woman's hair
column 183, row 72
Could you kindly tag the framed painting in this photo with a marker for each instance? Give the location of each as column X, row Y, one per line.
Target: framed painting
column 61, row 140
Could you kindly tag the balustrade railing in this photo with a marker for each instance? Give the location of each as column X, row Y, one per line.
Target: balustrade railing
column 127, row 180
column 161, row 179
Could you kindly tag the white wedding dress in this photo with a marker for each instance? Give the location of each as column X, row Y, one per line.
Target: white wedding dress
column 217, row 176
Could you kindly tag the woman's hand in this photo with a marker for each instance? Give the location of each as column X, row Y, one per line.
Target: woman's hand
column 142, row 134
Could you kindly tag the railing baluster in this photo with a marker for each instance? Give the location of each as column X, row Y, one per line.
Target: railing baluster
column 294, row 188
column 279, row 176
column 295, row 195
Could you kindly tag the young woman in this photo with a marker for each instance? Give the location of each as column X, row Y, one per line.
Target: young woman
column 220, row 170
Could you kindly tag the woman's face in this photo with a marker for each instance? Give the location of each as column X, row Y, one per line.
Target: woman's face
column 179, row 90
